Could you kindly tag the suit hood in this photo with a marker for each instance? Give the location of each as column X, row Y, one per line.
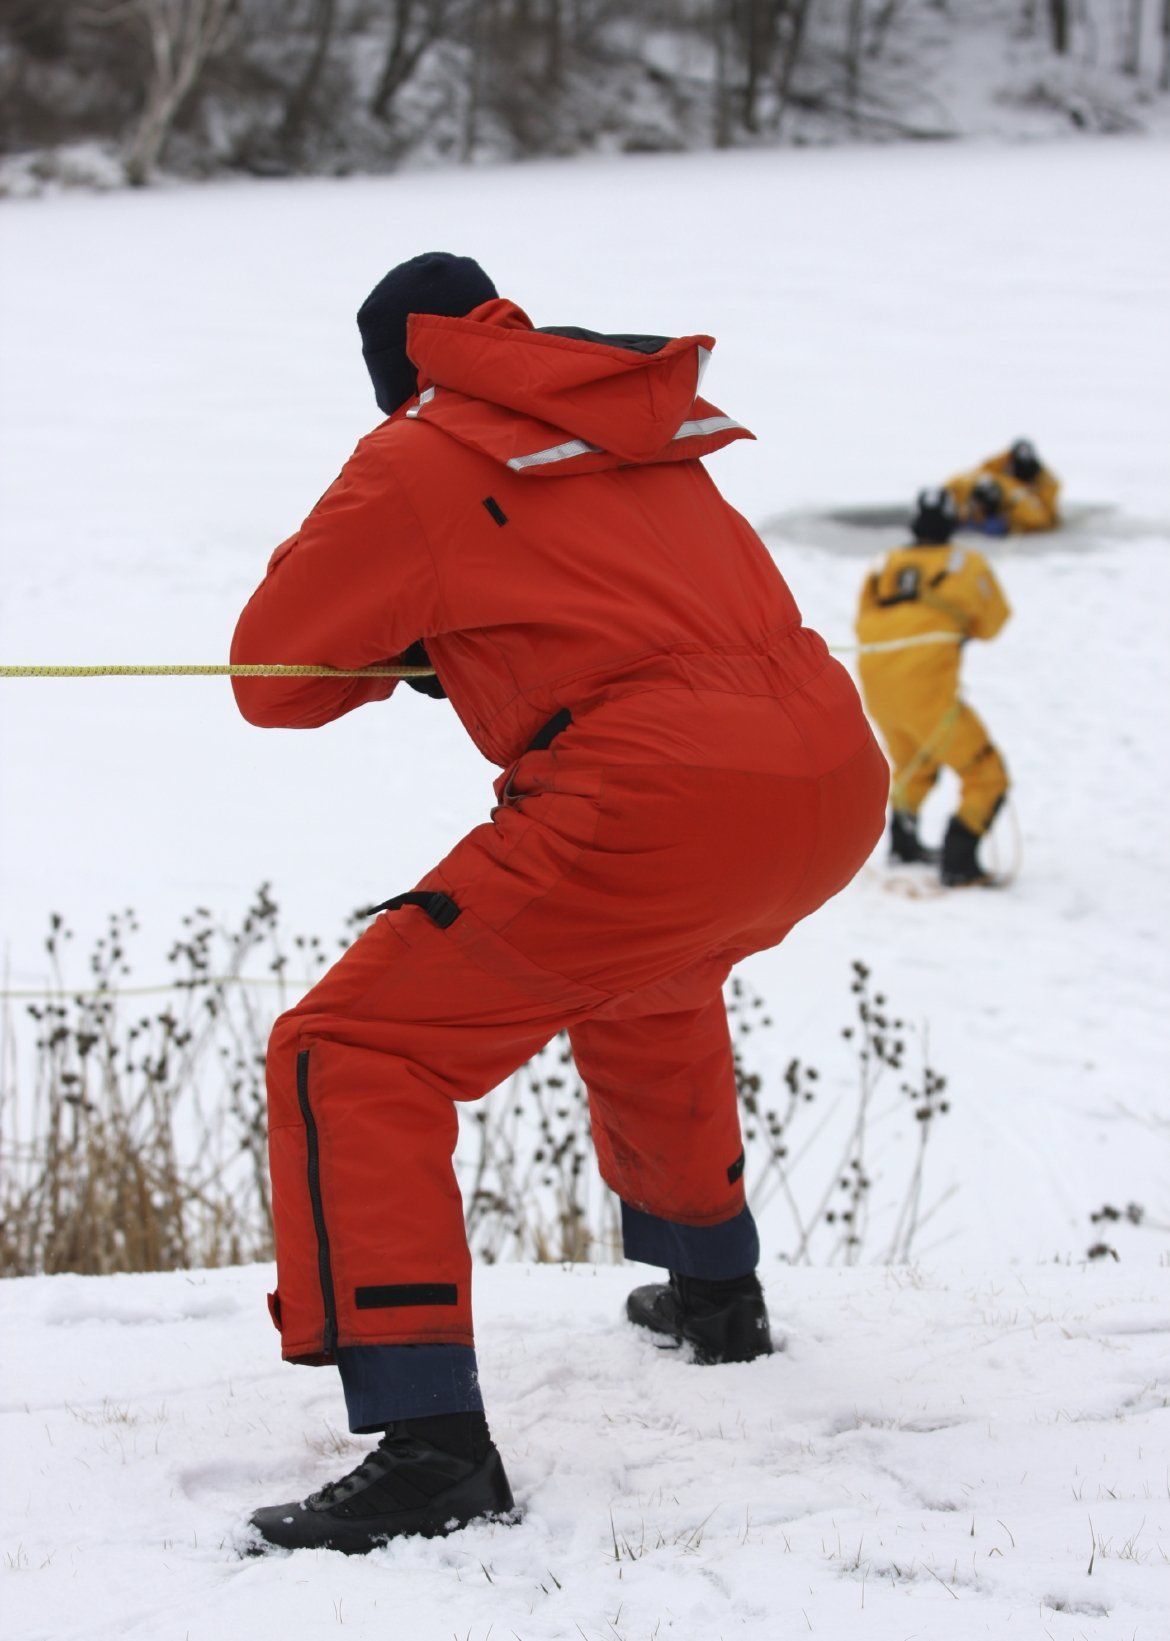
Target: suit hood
column 563, row 400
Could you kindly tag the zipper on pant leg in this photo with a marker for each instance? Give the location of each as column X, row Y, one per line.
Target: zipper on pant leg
column 324, row 1267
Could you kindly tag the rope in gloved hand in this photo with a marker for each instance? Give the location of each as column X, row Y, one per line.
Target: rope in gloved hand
column 170, row 670
column 277, row 670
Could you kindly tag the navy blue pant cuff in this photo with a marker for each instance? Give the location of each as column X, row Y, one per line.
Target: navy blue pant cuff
column 712, row 1252
column 383, row 1383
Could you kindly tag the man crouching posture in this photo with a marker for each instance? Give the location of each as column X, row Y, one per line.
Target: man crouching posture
column 687, row 774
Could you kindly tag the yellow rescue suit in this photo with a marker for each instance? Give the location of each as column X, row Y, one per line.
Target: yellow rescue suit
column 1027, row 504
column 912, row 692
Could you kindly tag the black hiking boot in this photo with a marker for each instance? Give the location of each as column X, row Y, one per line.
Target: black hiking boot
column 960, row 860
column 406, row 1485
column 722, row 1321
column 905, row 845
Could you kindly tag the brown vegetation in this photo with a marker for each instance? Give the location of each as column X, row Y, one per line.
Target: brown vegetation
column 137, row 1141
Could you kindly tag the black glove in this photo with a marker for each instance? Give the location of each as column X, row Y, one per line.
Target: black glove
column 416, row 656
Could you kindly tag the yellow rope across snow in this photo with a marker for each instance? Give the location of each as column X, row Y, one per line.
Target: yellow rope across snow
column 75, row 994
column 169, row 670
column 277, row 670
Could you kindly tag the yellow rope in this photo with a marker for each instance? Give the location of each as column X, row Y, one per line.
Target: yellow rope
column 277, row 670
column 225, row 671
column 887, row 644
column 281, row 671
column 930, row 751
column 76, row 993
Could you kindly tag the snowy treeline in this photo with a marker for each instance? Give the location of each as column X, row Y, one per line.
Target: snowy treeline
column 112, row 90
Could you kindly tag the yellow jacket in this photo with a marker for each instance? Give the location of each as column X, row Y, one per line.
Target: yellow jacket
column 1027, row 506
column 918, row 590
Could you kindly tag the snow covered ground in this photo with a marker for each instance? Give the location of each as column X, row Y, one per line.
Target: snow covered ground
column 181, row 380
column 934, row 1455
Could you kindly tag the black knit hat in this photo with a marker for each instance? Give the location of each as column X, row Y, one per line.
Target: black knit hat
column 1023, row 460
column 934, row 519
column 435, row 282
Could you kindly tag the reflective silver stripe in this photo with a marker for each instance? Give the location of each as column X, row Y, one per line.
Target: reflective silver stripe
column 957, row 559
column 423, row 399
column 704, row 361
column 554, row 453
column 708, row 424
column 578, row 447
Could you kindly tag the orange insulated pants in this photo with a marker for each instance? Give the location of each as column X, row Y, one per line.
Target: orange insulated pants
column 629, row 862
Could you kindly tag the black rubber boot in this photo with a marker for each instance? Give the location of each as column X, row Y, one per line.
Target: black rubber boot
column 960, row 860
column 406, row 1485
column 905, row 844
column 722, row 1321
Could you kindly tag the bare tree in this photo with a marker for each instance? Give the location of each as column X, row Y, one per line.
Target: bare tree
column 723, row 39
column 1132, row 60
column 413, row 27
column 796, row 17
column 761, row 24
column 300, row 102
column 1058, row 21
column 179, row 36
column 554, row 44
column 884, row 20
column 301, row 83
column 480, row 47
column 854, row 34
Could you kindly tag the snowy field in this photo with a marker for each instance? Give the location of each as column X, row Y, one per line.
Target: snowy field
column 181, row 379
column 977, row 1456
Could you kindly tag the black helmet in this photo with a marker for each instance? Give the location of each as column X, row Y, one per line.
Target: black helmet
column 934, row 518
column 1023, row 460
column 987, row 495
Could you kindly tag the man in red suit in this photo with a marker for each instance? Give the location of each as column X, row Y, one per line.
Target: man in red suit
column 686, row 774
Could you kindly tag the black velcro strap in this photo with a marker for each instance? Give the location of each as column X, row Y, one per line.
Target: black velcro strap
column 547, row 735
column 736, row 1170
column 440, row 908
column 495, row 510
column 400, row 1294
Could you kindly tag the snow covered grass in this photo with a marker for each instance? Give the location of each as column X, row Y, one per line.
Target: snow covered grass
column 936, row 1453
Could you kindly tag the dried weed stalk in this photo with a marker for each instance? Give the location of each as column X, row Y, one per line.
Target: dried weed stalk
column 141, row 1144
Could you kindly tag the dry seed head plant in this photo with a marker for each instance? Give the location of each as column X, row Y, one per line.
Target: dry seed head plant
column 132, row 1123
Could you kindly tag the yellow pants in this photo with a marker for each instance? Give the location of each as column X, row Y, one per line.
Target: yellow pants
column 958, row 740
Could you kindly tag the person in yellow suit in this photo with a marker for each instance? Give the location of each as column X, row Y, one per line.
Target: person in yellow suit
column 919, row 605
column 1009, row 494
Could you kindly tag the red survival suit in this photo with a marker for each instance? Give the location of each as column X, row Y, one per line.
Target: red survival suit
column 687, row 775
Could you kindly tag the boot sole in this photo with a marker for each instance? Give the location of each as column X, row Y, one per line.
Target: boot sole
column 250, row 1542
